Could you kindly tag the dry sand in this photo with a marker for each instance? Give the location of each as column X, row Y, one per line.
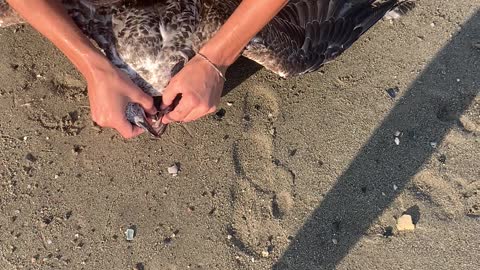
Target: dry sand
column 303, row 173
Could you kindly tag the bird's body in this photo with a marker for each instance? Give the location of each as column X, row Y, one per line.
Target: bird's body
column 151, row 40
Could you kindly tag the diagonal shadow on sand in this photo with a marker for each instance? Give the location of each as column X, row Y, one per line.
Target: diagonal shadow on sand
column 428, row 110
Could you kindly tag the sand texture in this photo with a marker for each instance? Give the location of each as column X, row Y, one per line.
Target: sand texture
column 305, row 173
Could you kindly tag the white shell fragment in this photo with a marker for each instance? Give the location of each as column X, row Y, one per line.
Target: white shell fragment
column 173, row 170
column 397, row 141
column 129, row 234
column 397, row 136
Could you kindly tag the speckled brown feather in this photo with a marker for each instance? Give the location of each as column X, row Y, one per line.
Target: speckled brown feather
column 156, row 37
column 151, row 40
column 306, row 34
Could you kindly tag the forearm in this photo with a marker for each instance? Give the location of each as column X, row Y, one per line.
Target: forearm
column 51, row 19
column 247, row 20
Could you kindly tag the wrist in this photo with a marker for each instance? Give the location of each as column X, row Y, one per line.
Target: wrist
column 219, row 71
column 215, row 54
column 92, row 64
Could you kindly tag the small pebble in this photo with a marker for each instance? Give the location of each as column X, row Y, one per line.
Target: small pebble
column 220, row 114
column 129, row 234
column 433, row 145
column 405, row 223
column 173, row 170
column 388, row 232
column 265, row 254
column 395, row 187
column 397, row 141
column 229, row 237
column 442, row 158
column 229, row 104
column 334, row 241
column 397, row 133
column 273, row 131
column 392, row 92
column 139, row 266
column 30, row 157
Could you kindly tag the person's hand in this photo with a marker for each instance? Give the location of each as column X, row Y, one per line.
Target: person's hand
column 200, row 87
column 109, row 91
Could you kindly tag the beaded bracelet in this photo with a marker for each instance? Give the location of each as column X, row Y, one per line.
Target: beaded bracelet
column 213, row 65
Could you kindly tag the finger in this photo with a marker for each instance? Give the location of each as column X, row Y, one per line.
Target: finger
column 127, row 130
column 145, row 101
column 194, row 115
column 168, row 96
column 179, row 113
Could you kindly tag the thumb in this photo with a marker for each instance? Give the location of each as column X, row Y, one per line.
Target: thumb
column 168, row 96
column 145, row 101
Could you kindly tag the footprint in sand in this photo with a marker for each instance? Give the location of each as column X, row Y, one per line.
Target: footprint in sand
column 264, row 191
column 445, row 199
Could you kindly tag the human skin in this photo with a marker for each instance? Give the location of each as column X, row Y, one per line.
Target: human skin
column 199, row 84
column 110, row 90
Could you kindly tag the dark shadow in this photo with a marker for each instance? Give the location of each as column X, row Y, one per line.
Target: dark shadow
column 414, row 212
column 241, row 70
column 428, row 110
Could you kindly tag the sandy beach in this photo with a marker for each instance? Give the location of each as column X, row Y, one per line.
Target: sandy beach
column 306, row 173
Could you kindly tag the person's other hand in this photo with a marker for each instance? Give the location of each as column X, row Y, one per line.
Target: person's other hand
column 200, row 86
column 109, row 92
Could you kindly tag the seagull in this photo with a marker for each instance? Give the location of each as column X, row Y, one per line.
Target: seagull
column 151, row 40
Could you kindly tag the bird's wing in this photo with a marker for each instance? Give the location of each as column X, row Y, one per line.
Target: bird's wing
column 308, row 33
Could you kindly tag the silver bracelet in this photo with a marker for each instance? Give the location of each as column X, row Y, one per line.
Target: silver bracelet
column 213, row 65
